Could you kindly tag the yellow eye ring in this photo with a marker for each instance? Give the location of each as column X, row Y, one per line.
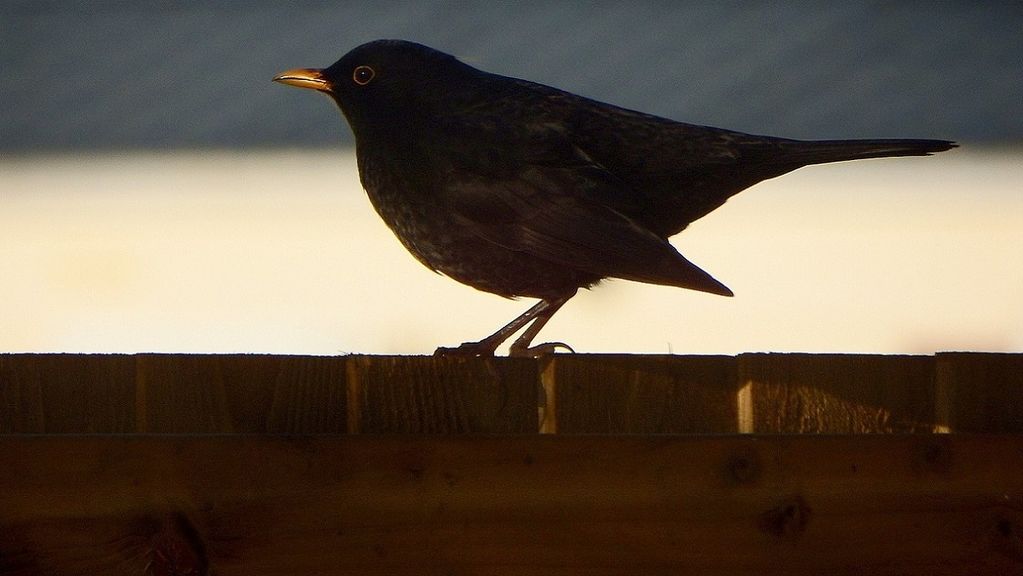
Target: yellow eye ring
column 362, row 75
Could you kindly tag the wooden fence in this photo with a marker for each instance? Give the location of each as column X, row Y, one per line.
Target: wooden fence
column 574, row 464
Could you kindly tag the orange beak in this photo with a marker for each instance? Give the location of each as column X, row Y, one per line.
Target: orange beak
column 304, row 78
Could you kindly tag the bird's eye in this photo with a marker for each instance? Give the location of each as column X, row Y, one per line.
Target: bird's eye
column 362, row 75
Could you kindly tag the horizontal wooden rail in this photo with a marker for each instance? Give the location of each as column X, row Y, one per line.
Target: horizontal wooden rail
column 522, row 504
column 764, row 393
column 157, row 464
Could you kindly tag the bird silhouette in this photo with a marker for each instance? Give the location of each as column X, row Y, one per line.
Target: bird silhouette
column 521, row 189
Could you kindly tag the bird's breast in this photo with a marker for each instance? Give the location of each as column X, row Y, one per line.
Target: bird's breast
column 404, row 198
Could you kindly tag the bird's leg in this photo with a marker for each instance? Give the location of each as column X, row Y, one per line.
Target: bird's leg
column 520, row 347
column 541, row 312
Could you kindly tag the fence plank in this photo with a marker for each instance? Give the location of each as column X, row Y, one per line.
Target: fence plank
column 641, row 394
column 408, row 394
column 67, row 393
column 156, row 393
column 839, row 393
column 980, row 392
column 520, row 504
column 241, row 393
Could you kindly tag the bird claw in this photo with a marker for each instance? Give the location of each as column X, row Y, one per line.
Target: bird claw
column 467, row 349
column 539, row 350
column 479, row 349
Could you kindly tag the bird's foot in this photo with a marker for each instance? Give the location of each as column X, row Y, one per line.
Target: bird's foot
column 477, row 349
column 537, row 351
column 485, row 349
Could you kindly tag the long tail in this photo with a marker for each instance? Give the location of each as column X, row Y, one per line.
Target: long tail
column 806, row 152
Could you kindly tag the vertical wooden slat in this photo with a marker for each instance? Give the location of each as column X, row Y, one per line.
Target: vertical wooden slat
column 644, row 394
column 980, row 392
column 844, row 394
column 547, row 411
column 408, row 394
column 67, row 393
column 242, row 393
column 53, row 393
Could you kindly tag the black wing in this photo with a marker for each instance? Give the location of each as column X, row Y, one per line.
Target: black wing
column 540, row 195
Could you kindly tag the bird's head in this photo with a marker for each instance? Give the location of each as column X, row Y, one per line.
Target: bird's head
column 384, row 82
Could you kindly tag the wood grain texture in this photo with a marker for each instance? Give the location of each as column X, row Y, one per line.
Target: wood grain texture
column 241, row 394
column 642, row 394
column 171, row 393
column 536, row 504
column 839, row 393
column 252, row 394
column 980, row 392
column 400, row 394
column 67, row 393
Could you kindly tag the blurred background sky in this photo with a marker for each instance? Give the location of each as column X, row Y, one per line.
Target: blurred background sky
column 159, row 193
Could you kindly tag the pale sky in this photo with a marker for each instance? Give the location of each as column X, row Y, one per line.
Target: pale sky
column 281, row 252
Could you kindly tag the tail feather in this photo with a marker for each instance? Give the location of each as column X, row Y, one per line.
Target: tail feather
column 674, row 269
column 806, row 152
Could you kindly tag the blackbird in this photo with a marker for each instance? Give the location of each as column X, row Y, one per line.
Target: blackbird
column 522, row 189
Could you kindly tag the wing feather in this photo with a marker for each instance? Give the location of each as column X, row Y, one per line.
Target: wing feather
column 548, row 212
